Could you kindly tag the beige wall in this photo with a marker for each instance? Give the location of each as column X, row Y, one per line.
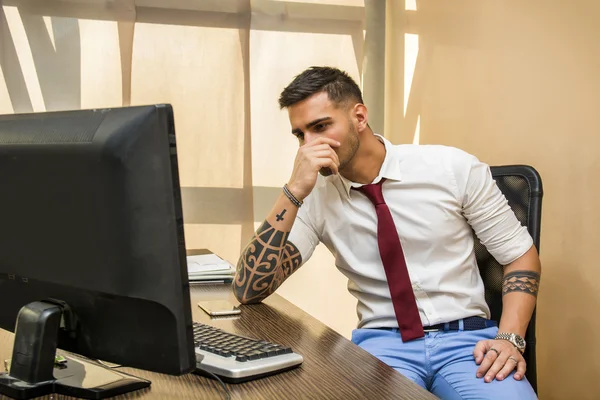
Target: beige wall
column 519, row 82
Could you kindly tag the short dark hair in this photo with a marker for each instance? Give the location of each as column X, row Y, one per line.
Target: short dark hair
column 340, row 87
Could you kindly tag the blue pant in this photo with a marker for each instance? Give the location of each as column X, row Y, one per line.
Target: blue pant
column 442, row 362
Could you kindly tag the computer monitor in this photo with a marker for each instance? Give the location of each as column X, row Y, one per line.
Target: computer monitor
column 92, row 252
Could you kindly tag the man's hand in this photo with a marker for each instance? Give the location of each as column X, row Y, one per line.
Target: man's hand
column 497, row 359
column 311, row 158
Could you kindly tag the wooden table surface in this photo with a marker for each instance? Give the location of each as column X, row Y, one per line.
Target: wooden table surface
column 333, row 368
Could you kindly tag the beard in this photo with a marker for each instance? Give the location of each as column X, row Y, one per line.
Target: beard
column 346, row 151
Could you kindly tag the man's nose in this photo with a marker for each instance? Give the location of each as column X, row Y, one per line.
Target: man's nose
column 309, row 137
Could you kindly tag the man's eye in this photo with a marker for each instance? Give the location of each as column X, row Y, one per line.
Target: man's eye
column 320, row 127
column 300, row 136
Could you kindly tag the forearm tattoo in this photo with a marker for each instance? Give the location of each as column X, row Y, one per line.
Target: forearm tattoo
column 266, row 262
column 521, row 281
column 279, row 216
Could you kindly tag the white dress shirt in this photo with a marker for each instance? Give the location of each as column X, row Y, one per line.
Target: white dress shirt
column 436, row 195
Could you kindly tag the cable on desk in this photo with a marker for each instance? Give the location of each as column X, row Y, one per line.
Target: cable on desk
column 222, row 384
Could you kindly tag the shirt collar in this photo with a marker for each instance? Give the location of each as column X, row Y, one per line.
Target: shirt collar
column 390, row 169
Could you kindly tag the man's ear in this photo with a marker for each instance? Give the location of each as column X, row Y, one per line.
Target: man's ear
column 360, row 117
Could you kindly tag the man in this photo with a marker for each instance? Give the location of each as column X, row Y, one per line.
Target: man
column 398, row 220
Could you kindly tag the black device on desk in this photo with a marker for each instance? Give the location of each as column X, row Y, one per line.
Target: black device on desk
column 92, row 252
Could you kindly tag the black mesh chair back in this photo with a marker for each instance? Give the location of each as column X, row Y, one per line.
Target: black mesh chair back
column 522, row 187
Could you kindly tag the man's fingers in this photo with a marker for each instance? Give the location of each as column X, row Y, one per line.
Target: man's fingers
column 329, row 163
column 328, row 153
column 335, row 157
column 497, row 360
column 319, row 157
column 521, row 368
column 479, row 351
column 509, row 366
column 318, row 147
column 323, row 140
column 320, row 151
column 489, row 359
column 495, row 368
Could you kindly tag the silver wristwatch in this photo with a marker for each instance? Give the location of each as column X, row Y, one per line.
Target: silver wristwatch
column 516, row 340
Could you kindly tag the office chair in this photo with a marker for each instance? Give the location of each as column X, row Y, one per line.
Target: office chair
column 522, row 187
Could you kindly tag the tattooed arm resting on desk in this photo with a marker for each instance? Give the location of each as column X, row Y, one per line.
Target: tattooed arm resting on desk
column 269, row 259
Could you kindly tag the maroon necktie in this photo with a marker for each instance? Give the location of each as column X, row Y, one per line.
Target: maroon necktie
column 392, row 256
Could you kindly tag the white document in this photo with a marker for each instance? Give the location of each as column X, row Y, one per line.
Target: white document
column 208, row 263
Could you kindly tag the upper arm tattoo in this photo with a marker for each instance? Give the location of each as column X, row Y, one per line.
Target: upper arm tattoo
column 521, row 281
column 266, row 262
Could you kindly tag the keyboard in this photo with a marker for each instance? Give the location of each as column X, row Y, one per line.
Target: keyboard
column 236, row 359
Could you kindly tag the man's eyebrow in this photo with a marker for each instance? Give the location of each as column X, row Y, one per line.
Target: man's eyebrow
column 298, row 131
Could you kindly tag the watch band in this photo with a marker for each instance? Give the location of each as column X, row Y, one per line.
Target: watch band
column 513, row 338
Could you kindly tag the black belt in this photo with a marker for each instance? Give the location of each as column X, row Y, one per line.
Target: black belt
column 469, row 324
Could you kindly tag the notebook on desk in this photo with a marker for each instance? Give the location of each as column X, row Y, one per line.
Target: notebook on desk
column 208, row 267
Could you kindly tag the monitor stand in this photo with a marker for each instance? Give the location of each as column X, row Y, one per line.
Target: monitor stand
column 33, row 371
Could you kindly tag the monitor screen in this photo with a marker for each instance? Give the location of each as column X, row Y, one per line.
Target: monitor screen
column 91, row 220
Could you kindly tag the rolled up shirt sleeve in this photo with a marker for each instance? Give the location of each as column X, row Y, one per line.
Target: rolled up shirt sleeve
column 486, row 209
column 303, row 234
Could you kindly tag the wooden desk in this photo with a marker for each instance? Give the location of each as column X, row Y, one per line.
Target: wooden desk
column 333, row 368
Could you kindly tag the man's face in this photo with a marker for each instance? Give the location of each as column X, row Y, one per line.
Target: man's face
column 318, row 116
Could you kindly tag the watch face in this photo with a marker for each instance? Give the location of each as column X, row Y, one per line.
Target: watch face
column 520, row 341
